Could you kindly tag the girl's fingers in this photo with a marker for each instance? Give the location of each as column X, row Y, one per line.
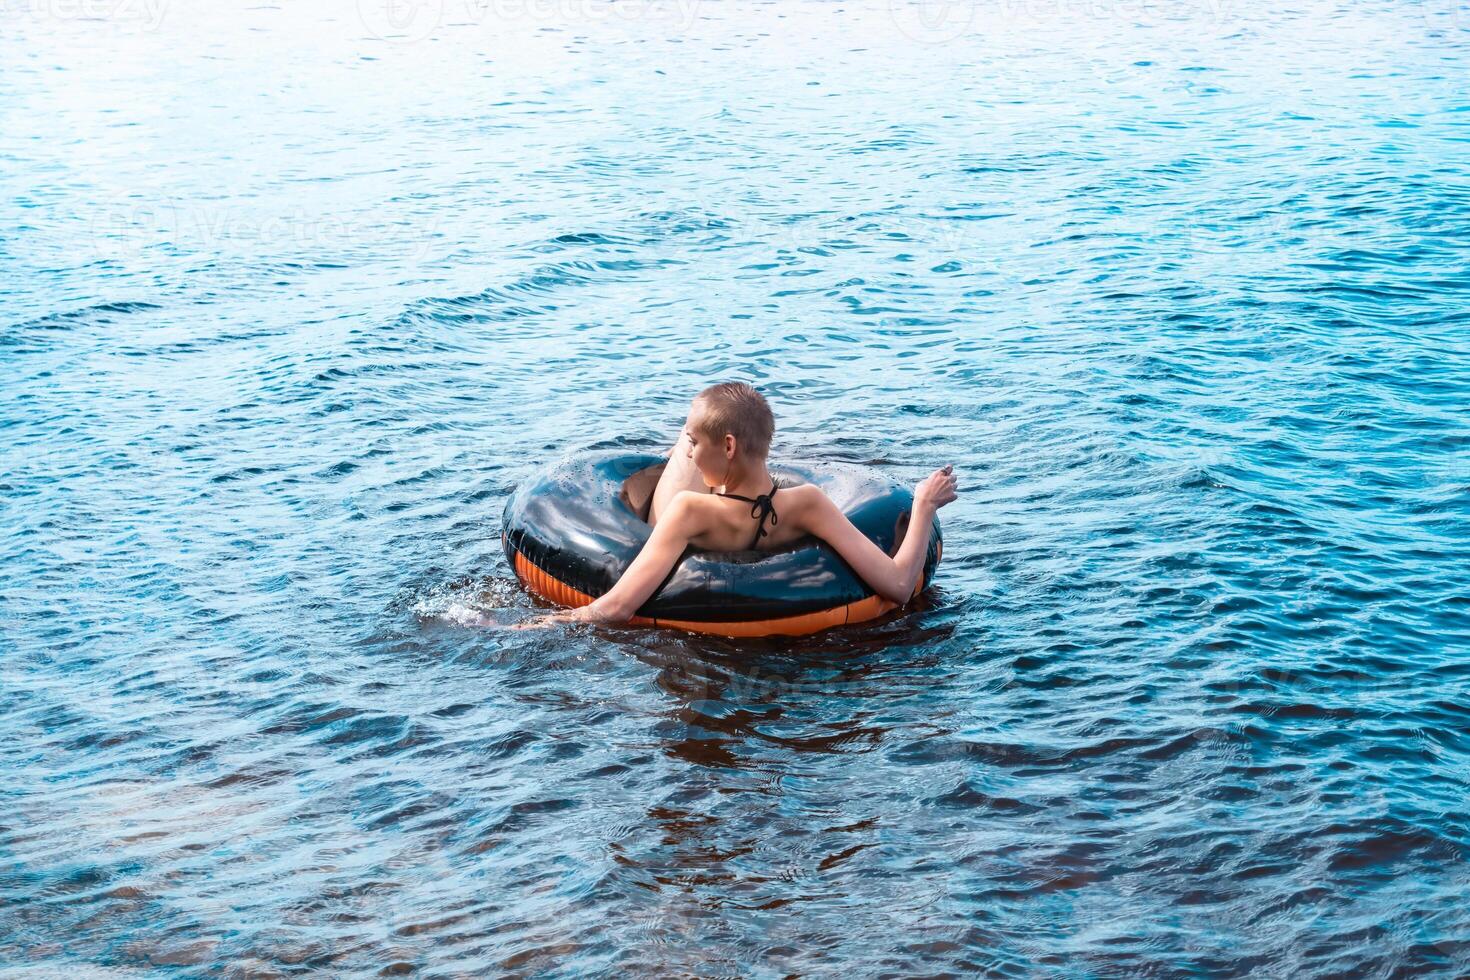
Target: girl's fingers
column 543, row 622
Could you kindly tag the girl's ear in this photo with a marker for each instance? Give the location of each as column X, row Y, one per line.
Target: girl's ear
column 729, row 446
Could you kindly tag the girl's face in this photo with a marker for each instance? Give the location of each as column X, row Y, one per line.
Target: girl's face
column 708, row 455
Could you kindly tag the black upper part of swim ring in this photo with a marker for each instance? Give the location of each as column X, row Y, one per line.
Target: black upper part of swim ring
column 571, row 521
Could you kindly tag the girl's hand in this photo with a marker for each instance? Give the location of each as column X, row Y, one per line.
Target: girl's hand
column 936, row 489
column 552, row 619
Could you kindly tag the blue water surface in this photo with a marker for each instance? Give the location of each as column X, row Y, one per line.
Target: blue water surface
column 292, row 296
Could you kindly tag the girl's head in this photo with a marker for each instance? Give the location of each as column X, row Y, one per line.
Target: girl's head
column 730, row 426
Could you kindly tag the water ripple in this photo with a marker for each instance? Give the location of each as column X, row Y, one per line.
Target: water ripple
column 1178, row 289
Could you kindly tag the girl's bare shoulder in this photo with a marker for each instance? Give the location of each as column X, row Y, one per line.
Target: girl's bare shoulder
column 694, row 501
column 800, row 500
column 702, row 511
column 801, row 493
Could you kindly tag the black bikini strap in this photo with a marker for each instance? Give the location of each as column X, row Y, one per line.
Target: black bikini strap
column 761, row 507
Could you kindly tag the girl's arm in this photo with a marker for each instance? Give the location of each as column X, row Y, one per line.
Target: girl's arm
column 669, row 539
column 893, row 578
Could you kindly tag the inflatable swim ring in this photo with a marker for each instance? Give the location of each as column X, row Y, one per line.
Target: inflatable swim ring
column 572, row 530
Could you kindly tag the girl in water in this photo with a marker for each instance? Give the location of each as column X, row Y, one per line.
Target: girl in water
column 716, row 494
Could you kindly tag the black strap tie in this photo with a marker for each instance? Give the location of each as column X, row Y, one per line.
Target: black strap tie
column 760, row 508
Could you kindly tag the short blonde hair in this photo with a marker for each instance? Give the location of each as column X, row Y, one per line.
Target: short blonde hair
column 737, row 409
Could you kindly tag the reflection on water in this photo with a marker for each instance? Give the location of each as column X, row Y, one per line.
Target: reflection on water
column 291, row 298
